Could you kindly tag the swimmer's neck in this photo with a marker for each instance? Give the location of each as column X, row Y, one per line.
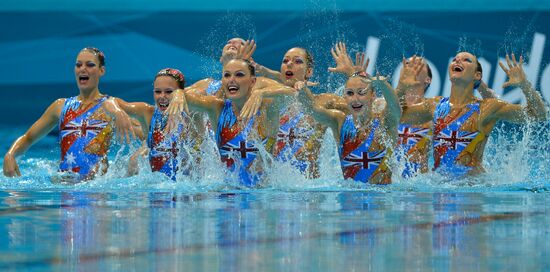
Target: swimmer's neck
column 238, row 104
column 89, row 95
column 462, row 94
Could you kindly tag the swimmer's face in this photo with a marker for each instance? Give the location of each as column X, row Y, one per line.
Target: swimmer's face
column 463, row 68
column 294, row 67
column 237, row 81
column 163, row 91
column 232, row 47
column 359, row 95
column 87, row 70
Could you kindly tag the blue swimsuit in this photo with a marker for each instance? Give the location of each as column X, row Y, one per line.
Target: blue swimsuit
column 164, row 149
column 450, row 140
column 357, row 161
column 236, row 146
column 84, row 135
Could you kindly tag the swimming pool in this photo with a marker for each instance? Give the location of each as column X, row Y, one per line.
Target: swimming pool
column 274, row 231
column 496, row 222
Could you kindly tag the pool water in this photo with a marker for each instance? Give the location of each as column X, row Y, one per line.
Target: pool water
column 274, row 231
column 497, row 221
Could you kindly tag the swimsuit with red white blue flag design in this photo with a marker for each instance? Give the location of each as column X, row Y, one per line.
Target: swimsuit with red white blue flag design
column 449, row 140
column 237, row 150
column 164, row 146
column 357, row 161
column 295, row 130
column 411, row 137
column 84, row 135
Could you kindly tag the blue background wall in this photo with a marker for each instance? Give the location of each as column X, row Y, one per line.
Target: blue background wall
column 38, row 44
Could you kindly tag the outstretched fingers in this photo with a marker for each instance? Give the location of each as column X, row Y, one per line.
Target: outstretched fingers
column 247, row 50
column 508, row 61
column 503, row 67
column 514, row 60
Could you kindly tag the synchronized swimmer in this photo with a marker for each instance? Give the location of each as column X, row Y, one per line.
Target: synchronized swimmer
column 256, row 115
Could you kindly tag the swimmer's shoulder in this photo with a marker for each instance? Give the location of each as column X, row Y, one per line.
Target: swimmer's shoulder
column 56, row 107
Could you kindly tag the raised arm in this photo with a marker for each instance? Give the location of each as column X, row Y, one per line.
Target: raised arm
column 535, row 107
column 344, row 63
column 39, row 129
column 419, row 113
column 329, row 117
column 392, row 110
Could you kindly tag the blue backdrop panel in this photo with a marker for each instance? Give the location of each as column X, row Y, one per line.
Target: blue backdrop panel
column 38, row 49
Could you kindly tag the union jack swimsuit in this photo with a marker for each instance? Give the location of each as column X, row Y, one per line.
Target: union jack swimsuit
column 213, row 87
column 411, row 137
column 295, row 131
column 84, row 135
column 450, row 140
column 237, row 150
column 356, row 159
column 165, row 148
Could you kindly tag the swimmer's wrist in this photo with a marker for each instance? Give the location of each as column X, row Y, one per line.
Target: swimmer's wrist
column 525, row 84
column 352, row 71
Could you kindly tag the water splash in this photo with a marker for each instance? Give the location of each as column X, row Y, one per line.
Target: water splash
column 230, row 25
column 471, row 45
column 518, row 38
column 399, row 39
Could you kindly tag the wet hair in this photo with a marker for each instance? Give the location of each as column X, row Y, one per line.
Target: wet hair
column 429, row 72
column 249, row 65
column 173, row 73
column 428, row 69
column 98, row 53
column 478, row 69
column 363, row 76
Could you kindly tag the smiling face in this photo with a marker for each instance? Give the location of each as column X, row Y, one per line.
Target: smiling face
column 463, row 69
column 359, row 95
column 88, row 70
column 164, row 87
column 237, row 79
column 295, row 66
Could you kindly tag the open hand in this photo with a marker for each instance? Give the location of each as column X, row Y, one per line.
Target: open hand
column 247, row 50
column 344, row 64
column 514, row 71
column 124, row 127
column 410, row 71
